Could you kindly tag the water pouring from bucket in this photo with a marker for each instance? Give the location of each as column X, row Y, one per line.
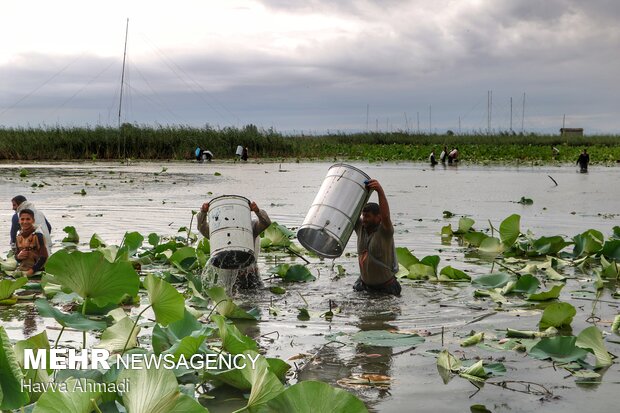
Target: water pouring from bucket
column 235, row 242
column 336, row 208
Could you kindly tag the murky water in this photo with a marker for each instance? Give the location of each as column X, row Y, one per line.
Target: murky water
column 140, row 197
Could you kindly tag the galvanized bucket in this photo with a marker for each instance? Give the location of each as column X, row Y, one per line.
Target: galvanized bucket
column 337, row 206
column 230, row 232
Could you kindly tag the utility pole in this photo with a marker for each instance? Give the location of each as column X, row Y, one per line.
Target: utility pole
column 459, row 125
column 418, row 123
column 367, row 111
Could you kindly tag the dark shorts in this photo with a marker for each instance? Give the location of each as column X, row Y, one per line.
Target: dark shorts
column 390, row 287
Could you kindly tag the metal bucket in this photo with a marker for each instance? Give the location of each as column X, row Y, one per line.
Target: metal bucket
column 334, row 211
column 230, row 232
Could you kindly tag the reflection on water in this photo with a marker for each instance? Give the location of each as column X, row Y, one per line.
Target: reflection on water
column 142, row 198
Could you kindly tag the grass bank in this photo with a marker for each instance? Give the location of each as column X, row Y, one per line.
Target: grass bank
column 179, row 142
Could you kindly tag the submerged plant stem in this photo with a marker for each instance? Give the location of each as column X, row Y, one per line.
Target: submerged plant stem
column 83, row 332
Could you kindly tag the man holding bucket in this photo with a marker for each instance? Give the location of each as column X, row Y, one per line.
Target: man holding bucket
column 247, row 277
column 375, row 246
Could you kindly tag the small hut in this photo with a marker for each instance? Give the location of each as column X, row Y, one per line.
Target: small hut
column 571, row 132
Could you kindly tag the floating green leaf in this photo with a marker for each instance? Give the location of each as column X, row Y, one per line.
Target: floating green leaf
column 561, row 349
column 452, row 274
column 473, row 339
column 276, row 235
column 494, row 280
column 491, row 245
column 549, row 245
column 552, row 294
column 527, row 284
column 165, row 337
column 114, row 337
column 474, row 238
column 557, row 315
column 591, row 339
column 96, row 242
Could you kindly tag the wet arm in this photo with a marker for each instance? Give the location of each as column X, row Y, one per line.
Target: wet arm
column 263, row 222
column 203, row 225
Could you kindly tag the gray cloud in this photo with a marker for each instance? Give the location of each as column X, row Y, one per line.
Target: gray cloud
column 401, row 58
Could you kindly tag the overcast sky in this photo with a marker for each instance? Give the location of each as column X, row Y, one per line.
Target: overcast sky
column 314, row 65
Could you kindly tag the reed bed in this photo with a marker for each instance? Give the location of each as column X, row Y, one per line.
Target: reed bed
column 179, row 142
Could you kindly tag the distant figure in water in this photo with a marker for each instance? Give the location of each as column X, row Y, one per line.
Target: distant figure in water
column 244, row 154
column 203, row 155
column 583, row 161
column 453, row 156
column 432, row 159
column 444, row 155
column 248, row 277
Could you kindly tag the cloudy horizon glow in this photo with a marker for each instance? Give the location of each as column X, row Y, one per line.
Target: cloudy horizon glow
column 314, row 66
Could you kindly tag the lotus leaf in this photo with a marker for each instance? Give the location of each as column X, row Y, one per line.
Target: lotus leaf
column 310, row 397
column 557, row 315
column 92, row 276
column 165, row 337
column 615, row 326
column 11, row 376
column 611, row 249
column 72, row 235
column 509, row 230
column 526, row 284
column 96, row 242
column 588, row 242
column 184, row 258
column 491, row 245
column 227, row 307
column 473, row 339
column 114, row 338
column 233, row 340
column 265, row 384
column 74, row 400
column 561, row 349
column 549, row 245
column 72, row 320
column 42, row 373
column 465, row 225
column 276, row 235
column 132, row 241
column 494, row 280
column 8, row 287
column 154, row 390
column 382, row 338
column 552, row 294
column 452, row 274
column 591, row 339
column 405, row 257
column 474, row 238
column 167, row 303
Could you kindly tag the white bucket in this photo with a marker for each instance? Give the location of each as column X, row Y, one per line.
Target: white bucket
column 334, row 211
column 239, row 150
column 230, row 232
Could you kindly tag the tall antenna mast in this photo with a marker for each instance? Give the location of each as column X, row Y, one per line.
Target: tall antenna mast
column 120, row 102
column 523, row 113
